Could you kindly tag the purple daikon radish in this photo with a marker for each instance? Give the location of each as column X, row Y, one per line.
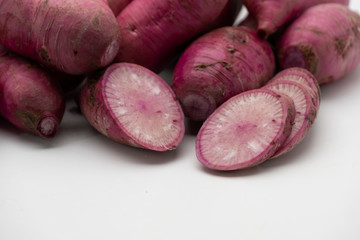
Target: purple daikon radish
column 30, row 97
column 152, row 31
column 325, row 40
column 218, row 66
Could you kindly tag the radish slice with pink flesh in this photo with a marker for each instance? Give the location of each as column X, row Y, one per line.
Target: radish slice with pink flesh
column 305, row 112
column 304, row 77
column 143, row 108
column 132, row 105
column 245, row 131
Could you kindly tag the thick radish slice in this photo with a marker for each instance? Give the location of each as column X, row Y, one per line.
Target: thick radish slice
column 305, row 112
column 302, row 76
column 245, row 131
column 132, row 105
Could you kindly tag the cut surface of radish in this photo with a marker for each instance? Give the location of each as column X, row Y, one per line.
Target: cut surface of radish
column 305, row 112
column 144, row 107
column 130, row 104
column 244, row 131
column 302, row 76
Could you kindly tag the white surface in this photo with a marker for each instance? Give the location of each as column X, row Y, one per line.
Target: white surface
column 81, row 185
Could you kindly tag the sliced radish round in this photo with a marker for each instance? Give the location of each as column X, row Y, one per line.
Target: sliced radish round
column 133, row 105
column 304, row 77
column 245, row 131
column 305, row 112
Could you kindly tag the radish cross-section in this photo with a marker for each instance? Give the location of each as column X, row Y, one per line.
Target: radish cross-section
column 133, row 105
column 245, row 131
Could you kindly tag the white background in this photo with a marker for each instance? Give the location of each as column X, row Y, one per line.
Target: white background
column 81, row 185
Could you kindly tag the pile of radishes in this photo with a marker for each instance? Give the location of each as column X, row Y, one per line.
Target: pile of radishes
column 229, row 77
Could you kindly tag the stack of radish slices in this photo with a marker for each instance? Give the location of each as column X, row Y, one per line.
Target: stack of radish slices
column 260, row 124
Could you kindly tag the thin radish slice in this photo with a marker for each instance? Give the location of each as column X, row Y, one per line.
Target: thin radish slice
column 302, row 76
column 132, row 105
column 245, row 131
column 305, row 112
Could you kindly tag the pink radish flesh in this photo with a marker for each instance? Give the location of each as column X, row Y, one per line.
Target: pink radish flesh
column 47, row 126
column 137, row 108
column 142, row 107
column 302, row 76
column 305, row 112
column 245, row 131
column 3, row 50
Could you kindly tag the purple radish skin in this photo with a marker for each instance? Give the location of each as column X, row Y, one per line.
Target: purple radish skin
column 132, row 105
column 270, row 15
column 29, row 97
column 118, row 5
column 153, row 30
column 249, row 22
column 218, row 66
column 245, row 131
column 75, row 37
column 325, row 40
column 3, row 50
